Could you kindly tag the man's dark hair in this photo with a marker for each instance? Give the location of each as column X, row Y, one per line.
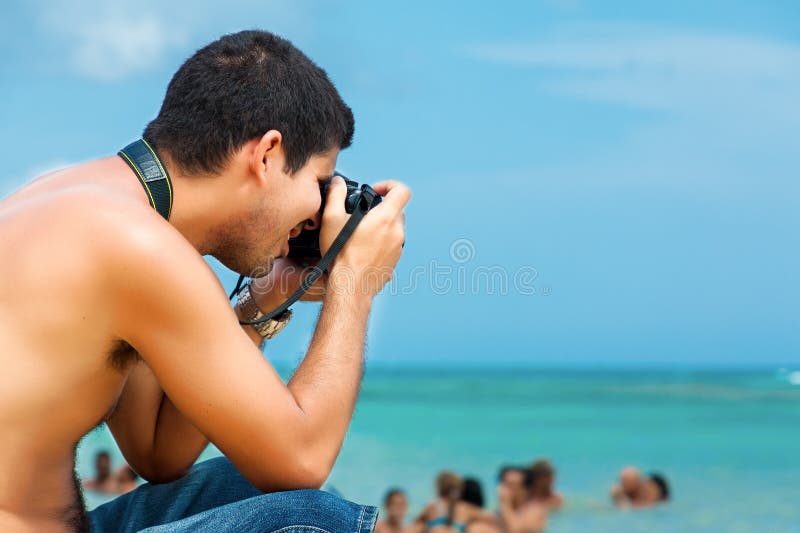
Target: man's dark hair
column 391, row 493
column 240, row 87
column 543, row 468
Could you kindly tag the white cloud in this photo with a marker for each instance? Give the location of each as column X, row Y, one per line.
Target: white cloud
column 653, row 67
column 111, row 41
column 726, row 117
column 115, row 39
column 115, row 47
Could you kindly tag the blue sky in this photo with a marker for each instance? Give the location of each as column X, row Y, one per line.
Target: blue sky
column 595, row 182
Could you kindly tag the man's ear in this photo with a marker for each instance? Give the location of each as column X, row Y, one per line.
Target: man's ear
column 267, row 155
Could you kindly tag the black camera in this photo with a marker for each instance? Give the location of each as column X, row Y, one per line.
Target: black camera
column 305, row 247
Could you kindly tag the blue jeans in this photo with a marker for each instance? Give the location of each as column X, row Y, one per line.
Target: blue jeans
column 214, row 497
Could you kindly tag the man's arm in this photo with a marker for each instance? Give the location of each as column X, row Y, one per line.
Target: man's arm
column 155, row 438
column 529, row 519
column 178, row 318
column 618, row 496
column 158, row 442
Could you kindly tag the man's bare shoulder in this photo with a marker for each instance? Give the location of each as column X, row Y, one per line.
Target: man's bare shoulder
column 138, row 248
column 100, row 231
column 82, row 198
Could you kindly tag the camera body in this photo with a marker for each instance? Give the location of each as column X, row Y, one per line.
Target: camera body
column 305, row 247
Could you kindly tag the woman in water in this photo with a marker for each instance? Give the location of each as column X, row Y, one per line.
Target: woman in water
column 449, row 513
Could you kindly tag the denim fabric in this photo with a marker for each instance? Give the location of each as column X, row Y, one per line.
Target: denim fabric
column 214, row 497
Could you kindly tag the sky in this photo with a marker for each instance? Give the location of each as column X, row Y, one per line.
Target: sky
column 595, row 182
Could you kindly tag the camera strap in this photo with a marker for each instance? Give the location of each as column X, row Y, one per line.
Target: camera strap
column 144, row 162
column 365, row 202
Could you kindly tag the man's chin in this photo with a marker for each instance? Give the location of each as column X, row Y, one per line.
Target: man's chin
column 264, row 268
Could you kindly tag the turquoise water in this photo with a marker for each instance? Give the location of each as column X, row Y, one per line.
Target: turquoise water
column 727, row 441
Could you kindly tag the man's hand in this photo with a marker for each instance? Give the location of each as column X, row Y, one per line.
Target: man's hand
column 272, row 290
column 367, row 261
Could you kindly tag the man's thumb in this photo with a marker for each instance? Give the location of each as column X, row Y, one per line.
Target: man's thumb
column 337, row 192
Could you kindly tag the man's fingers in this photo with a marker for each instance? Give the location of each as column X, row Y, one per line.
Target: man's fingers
column 337, row 192
column 393, row 192
column 383, row 187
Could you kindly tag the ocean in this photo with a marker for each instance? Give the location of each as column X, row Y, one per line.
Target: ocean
column 727, row 441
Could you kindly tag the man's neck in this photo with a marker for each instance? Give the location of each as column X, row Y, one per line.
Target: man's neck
column 196, row 206
column 395, row 522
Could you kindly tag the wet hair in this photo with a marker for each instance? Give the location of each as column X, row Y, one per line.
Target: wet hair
column 506, row 469
column 543, row 467
column 391, row 493
column 102, row 453
column 472, row 492
column 238, row 88
column 529, row 479
column 448, row 485
column 662, row 484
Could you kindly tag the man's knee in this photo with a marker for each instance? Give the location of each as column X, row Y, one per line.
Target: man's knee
column 220, row 481
column 286, row 512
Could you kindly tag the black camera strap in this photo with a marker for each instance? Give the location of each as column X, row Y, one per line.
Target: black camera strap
column 144, row 162
column 365, row 202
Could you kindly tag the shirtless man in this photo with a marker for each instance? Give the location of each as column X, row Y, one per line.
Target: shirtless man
column 513, row 478
column 109, row 312
column 395, row 503
column 544, row 479
column 635, row 490
column 102, row 481
column 526, row 516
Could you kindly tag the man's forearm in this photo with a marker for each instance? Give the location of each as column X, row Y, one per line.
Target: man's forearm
column 326, row 383
column 176, row 440
column 156, row 439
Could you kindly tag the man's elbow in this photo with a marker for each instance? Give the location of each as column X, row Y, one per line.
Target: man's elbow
column 157, row 469
column 297, row 473
column 156, row 475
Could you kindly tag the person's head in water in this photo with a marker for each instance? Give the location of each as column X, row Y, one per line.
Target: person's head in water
column 395, row 503
column 639, row 490
column 513, row 477
column 102, row 465
column 662, row 484
column 254, row 110
column 630, row 480
column 472, row 492
column 544, row 476
column 448, row 485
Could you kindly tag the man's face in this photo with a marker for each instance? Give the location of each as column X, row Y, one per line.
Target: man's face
column 103, row 465
column 397, row 507
column 289, row 203
column 515, row 481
